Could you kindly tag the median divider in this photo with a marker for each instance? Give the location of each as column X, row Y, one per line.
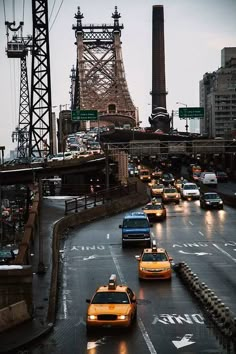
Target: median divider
column 217, row 311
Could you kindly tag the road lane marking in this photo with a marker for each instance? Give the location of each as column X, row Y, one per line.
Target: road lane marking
column 183, row 342
column 190, row 222
column 108, row 236
column 223, row 251
column 142, row 328
column 200, row 233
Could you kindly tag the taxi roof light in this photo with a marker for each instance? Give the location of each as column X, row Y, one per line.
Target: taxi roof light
column 112, row 282
column 154, row 246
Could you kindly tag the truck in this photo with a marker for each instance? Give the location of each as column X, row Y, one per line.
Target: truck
column 136, row 228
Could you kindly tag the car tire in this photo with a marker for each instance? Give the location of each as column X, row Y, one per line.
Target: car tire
column 123, row 245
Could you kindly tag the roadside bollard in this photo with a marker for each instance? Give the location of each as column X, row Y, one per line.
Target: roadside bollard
column 227, row 322
column 213, row 303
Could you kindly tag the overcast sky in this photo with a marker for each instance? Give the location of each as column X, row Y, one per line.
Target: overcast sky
column 195, row 33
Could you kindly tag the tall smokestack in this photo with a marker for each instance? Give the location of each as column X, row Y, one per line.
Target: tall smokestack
column 158, row 58
column 159, row 118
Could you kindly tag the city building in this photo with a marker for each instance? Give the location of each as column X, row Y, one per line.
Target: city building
column 218, row 97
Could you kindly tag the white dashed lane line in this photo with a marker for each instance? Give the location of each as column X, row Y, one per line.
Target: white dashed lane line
column 200, row 233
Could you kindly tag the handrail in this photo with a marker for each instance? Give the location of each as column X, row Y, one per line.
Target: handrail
column 99, row 198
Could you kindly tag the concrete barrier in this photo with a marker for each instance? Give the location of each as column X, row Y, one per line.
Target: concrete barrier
column 13, row 315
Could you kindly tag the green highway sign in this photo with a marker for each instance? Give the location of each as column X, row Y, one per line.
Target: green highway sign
column 85, row 114
column 191, row 112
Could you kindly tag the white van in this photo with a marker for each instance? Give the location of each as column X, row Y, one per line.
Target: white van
column 208, row 178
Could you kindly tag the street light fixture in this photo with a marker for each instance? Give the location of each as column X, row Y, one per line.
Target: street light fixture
column 186, row 120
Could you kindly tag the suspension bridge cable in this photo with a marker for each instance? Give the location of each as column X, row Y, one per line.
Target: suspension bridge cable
column 4, row 10
column 56, row 14
column 13, row 10
column 23, row 10
column 54, row 2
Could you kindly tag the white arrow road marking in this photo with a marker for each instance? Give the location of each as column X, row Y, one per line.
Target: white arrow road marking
column 197, row 253
column 183, row 342
column 92, row 345
column 89, row 257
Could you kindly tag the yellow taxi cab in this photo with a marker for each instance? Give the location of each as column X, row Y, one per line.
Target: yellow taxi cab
column 156, row 189
column 112, row 306
column 196, row 168
column 145, row 175
column 155, row 210
column 154, row 263
column 170, row 194
column 178, row 184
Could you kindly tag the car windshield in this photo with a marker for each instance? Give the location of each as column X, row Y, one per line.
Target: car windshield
column 190, row 186
column 154, row 257
column 110, row 297
column 144, row 173
column 212, row 196
column 167, row 176
column 170, row 190
column 157, row 186
column 153, row 207
column 135, row 223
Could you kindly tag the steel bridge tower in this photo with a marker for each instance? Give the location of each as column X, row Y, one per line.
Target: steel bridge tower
column 100, row 76
column 41, row 135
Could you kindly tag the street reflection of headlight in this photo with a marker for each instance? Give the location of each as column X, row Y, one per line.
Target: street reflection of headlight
column 92, row 317
column 122, row 317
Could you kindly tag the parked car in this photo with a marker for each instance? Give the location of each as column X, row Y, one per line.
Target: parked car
column 222, row 176
column 211, row 200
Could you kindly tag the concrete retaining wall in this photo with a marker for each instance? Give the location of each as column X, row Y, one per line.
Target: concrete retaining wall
column 13, row 315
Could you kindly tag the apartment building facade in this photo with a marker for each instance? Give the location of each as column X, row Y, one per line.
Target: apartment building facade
column 218, row 97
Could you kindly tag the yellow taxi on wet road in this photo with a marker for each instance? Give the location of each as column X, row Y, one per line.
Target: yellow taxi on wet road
column 154, row 263
column 155, row 211
column 156, row 189
column 111, row 306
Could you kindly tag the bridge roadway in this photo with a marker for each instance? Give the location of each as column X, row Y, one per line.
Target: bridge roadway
column 28, row 174
column 170, row 320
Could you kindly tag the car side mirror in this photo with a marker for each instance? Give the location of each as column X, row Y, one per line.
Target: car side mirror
column 170, row 259
column 138, row 258
column 88, row 301
column 120, row 226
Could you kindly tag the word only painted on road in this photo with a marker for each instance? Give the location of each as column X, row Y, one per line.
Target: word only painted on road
column 201, row 244
column 178, row 319
column 88, row 248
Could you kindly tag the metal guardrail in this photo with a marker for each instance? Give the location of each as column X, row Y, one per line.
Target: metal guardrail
column 98, row 198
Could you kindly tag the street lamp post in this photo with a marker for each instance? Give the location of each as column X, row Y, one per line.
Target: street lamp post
column 186, row 120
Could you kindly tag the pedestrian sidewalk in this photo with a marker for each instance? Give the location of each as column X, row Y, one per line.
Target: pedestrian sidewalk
column 52, row 210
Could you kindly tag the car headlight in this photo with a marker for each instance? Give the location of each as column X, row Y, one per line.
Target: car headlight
column 207, row 202
column 146, row 235
column 141, row 268
column 122, row 317
column 166, row 268
column 158, row 214
column 92, row 317
column 221, row 202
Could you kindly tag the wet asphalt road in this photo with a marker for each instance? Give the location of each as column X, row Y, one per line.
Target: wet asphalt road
column 170, row 320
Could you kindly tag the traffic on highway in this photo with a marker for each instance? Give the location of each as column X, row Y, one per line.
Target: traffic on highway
column 129, row 298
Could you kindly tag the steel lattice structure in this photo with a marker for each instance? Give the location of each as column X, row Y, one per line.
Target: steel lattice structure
column 40, row 136
column 101, row 82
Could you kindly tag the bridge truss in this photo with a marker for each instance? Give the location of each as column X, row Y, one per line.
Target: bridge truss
column 101, row 82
